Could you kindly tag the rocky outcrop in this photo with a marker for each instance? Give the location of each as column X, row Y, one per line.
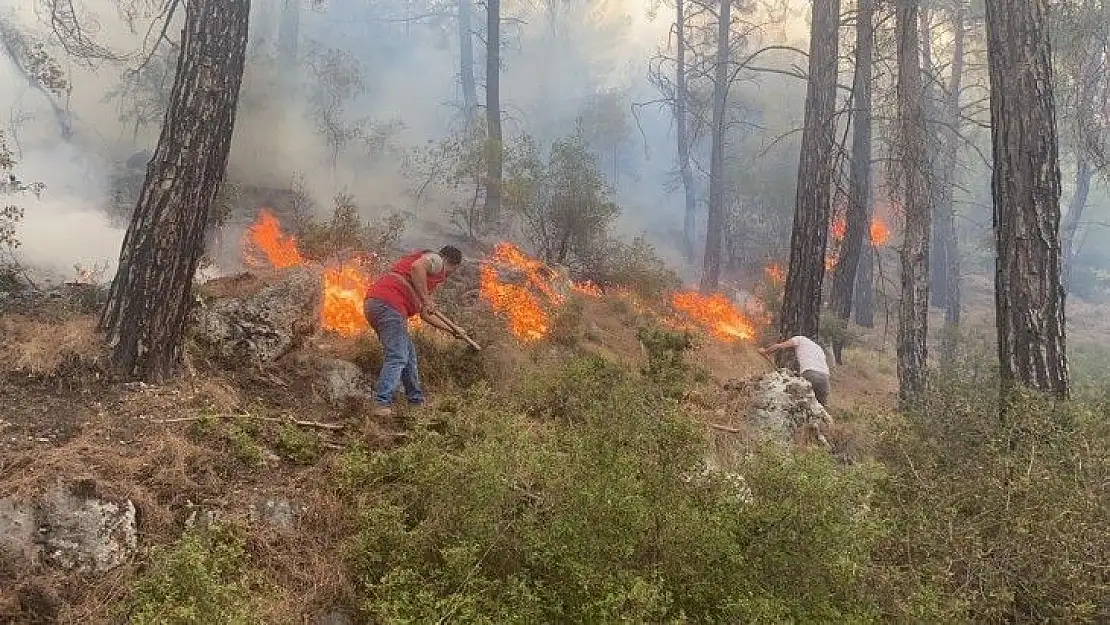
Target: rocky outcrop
column 260, row 324
column 69, row 528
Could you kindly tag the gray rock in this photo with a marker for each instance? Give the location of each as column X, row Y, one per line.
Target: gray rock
column 342, row 379
column 69, row 530
column 279, row 513
column 85, row 533
column 18, row 530
column 262, row 326
column 784, row 403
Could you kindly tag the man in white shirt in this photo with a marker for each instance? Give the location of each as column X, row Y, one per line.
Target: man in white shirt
column 811, row 363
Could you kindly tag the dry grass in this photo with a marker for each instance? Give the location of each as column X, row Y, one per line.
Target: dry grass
column 44, row 348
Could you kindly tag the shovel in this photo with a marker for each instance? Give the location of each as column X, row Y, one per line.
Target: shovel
column 459, row 332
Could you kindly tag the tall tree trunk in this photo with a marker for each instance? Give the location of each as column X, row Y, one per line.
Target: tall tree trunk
column 144, row 319
column 864, row 301
column 689, row 222
column 945, row 210
column 801, row 305
column 859, row 179
column 1029, row 297
column 289, row 37
column 494, row 148
column 466, row 60
column 1083, row 175
column 715, row 221
column 913, row 318
column 937, row 275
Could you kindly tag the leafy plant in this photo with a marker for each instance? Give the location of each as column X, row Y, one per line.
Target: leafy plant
column 203, row 578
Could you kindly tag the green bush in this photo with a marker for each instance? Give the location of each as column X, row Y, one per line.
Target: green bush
column 634, row 265
column 997, row 521
column 605, row 517
column 203, row 578
column 666, row 365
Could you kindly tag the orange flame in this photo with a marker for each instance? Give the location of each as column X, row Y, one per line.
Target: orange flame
column 266, row 236
column 344, row 290
column 716, row 313
column 838, row 228
column 880, row 232
column 775, row 274
column 527, row 319
column 587, row 288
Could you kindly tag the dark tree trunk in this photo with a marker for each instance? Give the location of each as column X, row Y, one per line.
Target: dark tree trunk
column 801, row 305
column 150, row 297
column 289, row 36
column 864, row 301
column 913, row 317
column 715, row 221
column 494, row 148
column 937, row 275
column 689, row 222
column 859, row 183
column 466, row 60
column 945, row 210
column 1029, row 298
column 1083, row 175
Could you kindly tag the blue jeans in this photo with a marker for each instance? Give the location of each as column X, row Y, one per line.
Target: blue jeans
column 399, row 365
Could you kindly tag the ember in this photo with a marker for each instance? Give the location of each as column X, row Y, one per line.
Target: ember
column 880, row 232
column 716, row 313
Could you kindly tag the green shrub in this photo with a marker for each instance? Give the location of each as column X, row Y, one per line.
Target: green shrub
column 634, row 265
column 297, row 445
column 203, row 578
column 604, row 517
column 666, row 365
column 997, row 521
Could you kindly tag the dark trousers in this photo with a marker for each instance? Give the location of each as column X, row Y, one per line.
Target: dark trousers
column 820, row 382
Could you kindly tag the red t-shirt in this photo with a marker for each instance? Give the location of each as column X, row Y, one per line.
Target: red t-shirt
column 400, row 296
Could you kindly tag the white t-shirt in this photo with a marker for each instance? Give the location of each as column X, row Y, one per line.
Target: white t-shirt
column 810, row 355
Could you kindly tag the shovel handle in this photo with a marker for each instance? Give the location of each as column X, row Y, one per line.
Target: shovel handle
column 459, row 332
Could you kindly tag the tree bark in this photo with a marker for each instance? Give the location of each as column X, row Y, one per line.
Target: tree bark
column 715, row 220
column 689, row 222
column 144, row 319
column 801, row 306
column 1083, row 175
column 466, row 60
column 864, row 300
column 859, row 183
column 1029, row 297
column 494, row 147
column 913, row 318
column 945, row 211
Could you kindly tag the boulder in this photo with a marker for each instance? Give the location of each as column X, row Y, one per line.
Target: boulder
column 70, row 529
column 782, row 404
column 260, row 325
column 342, row 379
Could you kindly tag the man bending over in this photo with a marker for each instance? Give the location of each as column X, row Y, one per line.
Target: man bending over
column 811, row 363
column 406, row 291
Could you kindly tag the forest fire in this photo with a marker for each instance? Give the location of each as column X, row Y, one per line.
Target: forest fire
column 716, row 313
column 880, row 232
column 344, row 286
column 775, row 274
column 527, row 318
column 265, row 236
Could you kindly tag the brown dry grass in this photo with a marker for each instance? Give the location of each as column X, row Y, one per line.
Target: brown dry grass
column 44, row 348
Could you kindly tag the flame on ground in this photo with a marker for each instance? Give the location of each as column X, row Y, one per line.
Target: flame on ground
column 527, row 319
column 587, row 288
column 716, row 313
column 775, row 274
column 341, row 309
column 265, row 242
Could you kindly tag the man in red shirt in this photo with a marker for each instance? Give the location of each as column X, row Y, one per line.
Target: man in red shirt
column 406, row 291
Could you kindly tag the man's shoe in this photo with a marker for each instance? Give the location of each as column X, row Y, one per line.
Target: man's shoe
column 382, row 411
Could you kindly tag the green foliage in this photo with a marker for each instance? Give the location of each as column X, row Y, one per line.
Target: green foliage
column 346, row 233
column 297, row 445
column 665, row 358
column 997, row 520
column 456, row 164
column 564, row 204
column 11, row 215
column 603, row 517
column 566, row 327
column 203, row 578
column 633, row 265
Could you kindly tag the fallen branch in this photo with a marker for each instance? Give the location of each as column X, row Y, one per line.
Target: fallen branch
column 725, row 428
column 308, row 424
